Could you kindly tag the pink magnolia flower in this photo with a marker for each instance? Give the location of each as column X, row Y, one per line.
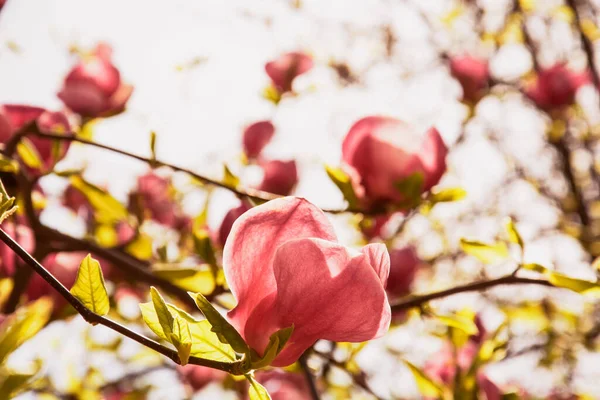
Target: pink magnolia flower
column 231, row 216
column 280, row 177
column 382, row 151
column 555, row 87
column 15, row 117
column 157, row 199
column 94, row 88
column 404, row 264
column 472, row 74
column 198, row 376
column 24, row 236
column 256, row 137
column 285, row 267
column 284, row 385
column 286, row 68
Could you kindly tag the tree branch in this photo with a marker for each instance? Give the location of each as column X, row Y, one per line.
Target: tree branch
column 417, row 301
column 94, row 319
column 310, row 378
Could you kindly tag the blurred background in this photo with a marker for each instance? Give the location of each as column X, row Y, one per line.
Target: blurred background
column 506, row 83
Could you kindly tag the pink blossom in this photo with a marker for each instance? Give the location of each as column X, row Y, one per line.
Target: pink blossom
column 94, row 88
column 198, row 376
column 231, row 216
column 15, row 117
column 404, row 264
column 156, row 197
column 383, row 151
column 286, row 68
column 24, row 236
column 280, row 177
column 555, row 87
column 284, row 385
column 490, row 390
column 75, row 200
column 256, row 137
column 472, row 74
column 285, row 267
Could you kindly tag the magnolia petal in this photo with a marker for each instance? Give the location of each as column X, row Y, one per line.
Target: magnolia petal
column 433, row 157
column 256, row 137
column 250, row 248
column 378, row 257
column 280, row 177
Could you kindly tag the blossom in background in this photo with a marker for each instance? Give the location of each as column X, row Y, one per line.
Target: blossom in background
column 284, row 385
column 383, row 151
column 24, row 236
column 280, row 177
column 198, row 376
column 94, row 88
column 285, row 267
column 256, row 137
column 16, row 117
column 555, row 87
column 404, row 264
column 286, row 68
column 472, row 74
column 231, row 216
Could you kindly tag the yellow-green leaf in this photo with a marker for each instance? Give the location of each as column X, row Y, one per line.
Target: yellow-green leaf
column 29, row 154
column 203, row 246
column 200, row 280
column 459, row 322
column 256, row 391
column 140, row 247
column 229, row 178
column 513, row 234
column 89, row 286
column 181, row 338
column 447, row 195
column 224, row 330
column 411, row 186
column 12, row 383
column 277, row 342
column 22, row 325
column 426, row 386
column 574, row 284
column 165, row 319
column 107, row 209
column 343, row 181
column 485, row 252
column 153, row 145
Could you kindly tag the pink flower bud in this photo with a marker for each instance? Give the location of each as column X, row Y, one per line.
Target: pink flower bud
column 198, row 376
column 383, row 151
column 24, row 236
column 284, row 385
column 280, row 177
column 294, row 272
column 286, row 68
column 94, row 88
column 472, row 74
column 75, row 200
column 256, row 137
column 555, row 87
column 231, row 216
column 404, row 264
column 15, row 117
column 157, row 199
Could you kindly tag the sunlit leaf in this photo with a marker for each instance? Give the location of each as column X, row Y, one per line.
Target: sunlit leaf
column 165, row 319
column 106, row 235
column 89, row 286
column 485, row 252
column 22, row 325
column 203, row 246
column 590, row 29
column 229, row 178
column 6, row 287
column 153, row 145
column 256, row 391
column 181, row 338
column 107, row 209
column 574, row 284
column 411, row 186
column 140, row 247
column 224, row 330
column 29, row 154
column 467, row 325
column 512, row 232
column 192, row 279
column 12, row 383
column 8, row 165
column 272, row 94
column 447, row 195
column 277, row 342
column 343, row 181
column 426, row 386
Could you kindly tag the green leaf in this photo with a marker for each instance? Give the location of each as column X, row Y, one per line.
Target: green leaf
column 343, row 181
column 426, row 386
column 192, row 279
column 203, row 246
column 256, row 391
column 411, row 187
column 459, row 322
column 574, row 284
column 513, row 233
column 140, row 247
column 22, row 325
column 229, row 178
column 12, row 383
column 165, row 319
column 205, row 343
column 153, row 145
column 8, row 165
column 277, row 342
column 107, row 209
column 224, row 330
column 29, row 154
column 486, row 253
column 272, row 94
column 535, row 267
column 446, row 195
column 7, row 207
column 89, row 286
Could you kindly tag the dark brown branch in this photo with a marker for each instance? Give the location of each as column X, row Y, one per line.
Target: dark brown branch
column 310, row 378
column 94, row 319
column 417, row 301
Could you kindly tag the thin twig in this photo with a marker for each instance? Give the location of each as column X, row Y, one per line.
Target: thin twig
column 310, row 378
column 94, row 319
